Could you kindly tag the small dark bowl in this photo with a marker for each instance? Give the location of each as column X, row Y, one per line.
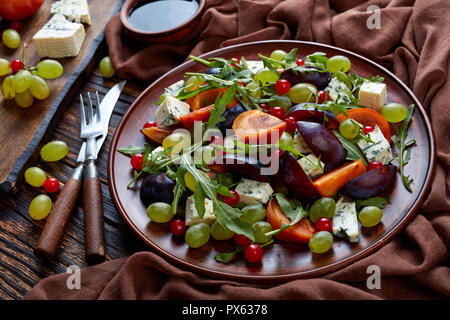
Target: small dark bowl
column 167, row 36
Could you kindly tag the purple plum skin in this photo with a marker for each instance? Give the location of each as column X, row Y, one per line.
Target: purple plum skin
column 371, row 183
column 323, row 143
column 318, row 79
column 294, row 177
column 307, row 112
column 249, row 167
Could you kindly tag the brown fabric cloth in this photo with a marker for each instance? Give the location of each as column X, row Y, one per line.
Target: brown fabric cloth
column 414, row 42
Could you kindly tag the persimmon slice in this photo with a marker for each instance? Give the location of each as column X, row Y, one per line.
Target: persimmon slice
column 208, row 97
column 368, row 117
column 156, row 134
column 256, row 127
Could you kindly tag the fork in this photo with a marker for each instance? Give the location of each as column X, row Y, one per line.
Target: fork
column 94, row 241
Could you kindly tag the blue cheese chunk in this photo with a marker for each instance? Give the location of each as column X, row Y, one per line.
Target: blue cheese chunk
column 253, row 192
column 192, row 216
column 73, row 10
column 372, row 95
column 337, row 91
column 379, row 150
column 170, row 111
column 300, row 144
column 255, row 65
column 311, row 169
column 345, row 220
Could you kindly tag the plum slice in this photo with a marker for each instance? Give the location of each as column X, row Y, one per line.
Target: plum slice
column 296, row 180
column 157, row 187
column 307, row 112
column 229, row 116
column 247, row 166
column 323, row 143
column 319, row 79
column 371, row 183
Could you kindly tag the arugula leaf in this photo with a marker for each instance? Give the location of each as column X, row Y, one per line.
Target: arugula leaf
column 179, row 189
column 183, row 95
column 132, row 150
column 220, row 106
column 379, row 202
column 294, row 214
column 353, row 152
column 317, row 59
column 291, row 57
column 199, row 199
column 173, row 91
column 400, row 142
column 270, row 63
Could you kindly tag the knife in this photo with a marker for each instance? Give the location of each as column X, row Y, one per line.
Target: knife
column 62, row 210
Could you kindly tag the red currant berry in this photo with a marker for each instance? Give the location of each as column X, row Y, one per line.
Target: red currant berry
column 177, row 227
column 136, row 161
column 324, row 224
column 277, row 112
column 264, row 106
column 149, row 124
column 241, row 240
column 253, row 253
column 290, row 124
column 282, row 86
column 237, row 62
column 321, row 96
column 232, row 200
column 375, row 165
column 300, row 62
column 16, row 25
column 216, row 140
column 51, row 185
column 16, row 65
column 368, row 129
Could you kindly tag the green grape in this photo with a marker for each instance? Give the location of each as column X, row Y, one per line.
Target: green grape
column 193, row 83
column 338, row 63
column 253, row 213
column 281, row 101
column 341, row 76
column 40, row 207
column 265, row 77
column 21, row 81
column 106, row 68
column 35, row 176
column 323, row 207
column 24, row 99
column 177, row 141
column 370, row 216
column 320, row 242
column 261, row 228
column 4, row 67
column 49, row 69
column 11, row 38
column 160, row 212
column 286, row 139
column 255, row 90
column 349, row 129
column 54, row 151
column 394, row 112
column 39, row 88
column 197, row 235
column 218, row 232
column 278, row 55
column 190, row 181
column 7, row 88
column 208, row 154
column 302, row 92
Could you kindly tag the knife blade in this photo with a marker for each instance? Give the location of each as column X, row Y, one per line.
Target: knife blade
column 106, row 109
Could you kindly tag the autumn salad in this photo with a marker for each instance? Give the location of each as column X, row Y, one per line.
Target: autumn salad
column 280, row 148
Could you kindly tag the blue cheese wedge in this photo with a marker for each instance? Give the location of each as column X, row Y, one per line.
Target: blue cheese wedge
column 300, row 144
column 345, row 220
column 311, row 169
column 170, row 111
column 253, row 192
column 59, row 38
column 192, row 216
column 255, row 65
column 73, row 10
column 372, row 95
column 337, row 91
column 379, row 150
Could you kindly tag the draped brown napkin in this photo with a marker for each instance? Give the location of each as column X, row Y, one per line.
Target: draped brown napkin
column 414, row 42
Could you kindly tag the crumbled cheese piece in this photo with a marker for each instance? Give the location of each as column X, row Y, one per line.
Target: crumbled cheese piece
column 379, row 150
column 345, row 220
column 73, row 10
column 336, row 91
column 300, row 144
column 311, row 169
column 372, row 95
column 253, row 192
column 170, row 111
column 255, row 65
column 192, row 216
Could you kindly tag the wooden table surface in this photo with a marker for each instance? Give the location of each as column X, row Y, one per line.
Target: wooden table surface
column 20, row 270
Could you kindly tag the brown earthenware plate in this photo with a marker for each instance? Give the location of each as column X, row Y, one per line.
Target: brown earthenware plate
column 282, row 261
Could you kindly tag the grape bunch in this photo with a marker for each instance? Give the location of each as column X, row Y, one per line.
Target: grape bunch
column 26, row 84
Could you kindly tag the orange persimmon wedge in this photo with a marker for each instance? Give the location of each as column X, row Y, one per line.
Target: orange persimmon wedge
column 156, row 134
column 329, row 184
column 368, row 117
column 202, row 115
column 255, row 126
column 301, row 232
column 206, row 98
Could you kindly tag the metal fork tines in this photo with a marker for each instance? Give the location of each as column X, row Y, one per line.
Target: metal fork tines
column 91, row 128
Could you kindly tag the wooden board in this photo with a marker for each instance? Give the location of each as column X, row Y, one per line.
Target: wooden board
column 23, row 130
